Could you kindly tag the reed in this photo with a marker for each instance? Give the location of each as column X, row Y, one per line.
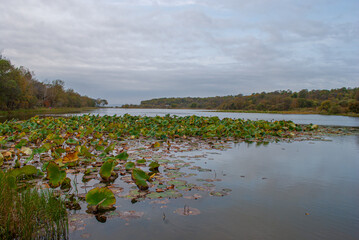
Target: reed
column 30, row 213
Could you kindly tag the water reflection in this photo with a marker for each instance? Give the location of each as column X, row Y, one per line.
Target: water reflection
column 273, row 187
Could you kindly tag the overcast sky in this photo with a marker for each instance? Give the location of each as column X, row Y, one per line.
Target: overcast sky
column 131, row 50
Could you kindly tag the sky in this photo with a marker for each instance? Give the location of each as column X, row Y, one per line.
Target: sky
column 131, row 50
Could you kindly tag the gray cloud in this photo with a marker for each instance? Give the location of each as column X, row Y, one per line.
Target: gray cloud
column 127, row 51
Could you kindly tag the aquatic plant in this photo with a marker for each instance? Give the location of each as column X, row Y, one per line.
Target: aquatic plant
column 140, row 177
column 107, row 169
column 100, row 199
column 29, row 213
column 55, row 175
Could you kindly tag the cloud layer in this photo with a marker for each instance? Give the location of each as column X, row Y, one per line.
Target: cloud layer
column 131, row 50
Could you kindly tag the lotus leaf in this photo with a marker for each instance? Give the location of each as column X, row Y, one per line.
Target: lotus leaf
column 70, row 157
column 71, row 141
column 26, row 170
column 101, row 198
column 22, row 143
column 122, row 156
column 129, row 166
column 154, row 166
column 110, row 148
column 66, row 184
column 55, row 175
column 26, row 150
column 141, row 161
column 106, row 169
column 140, row 177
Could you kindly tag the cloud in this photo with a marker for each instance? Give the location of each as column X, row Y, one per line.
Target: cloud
column 127, row 51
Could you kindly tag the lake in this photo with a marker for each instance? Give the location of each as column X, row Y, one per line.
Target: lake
column 286, row 190
column 297, row 190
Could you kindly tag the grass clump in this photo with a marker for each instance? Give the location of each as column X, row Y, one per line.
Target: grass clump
column 29, row 213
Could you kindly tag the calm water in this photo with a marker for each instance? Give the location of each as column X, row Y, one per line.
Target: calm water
column 282, row 182
column 320, row 178
column 297, row 118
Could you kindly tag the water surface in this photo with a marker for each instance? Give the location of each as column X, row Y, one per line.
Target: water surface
column 273, row 187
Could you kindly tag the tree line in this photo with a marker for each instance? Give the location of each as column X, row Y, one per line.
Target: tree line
column 334, row 101
column 20, row 90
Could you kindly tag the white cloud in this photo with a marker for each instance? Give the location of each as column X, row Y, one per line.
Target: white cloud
column 128, row 51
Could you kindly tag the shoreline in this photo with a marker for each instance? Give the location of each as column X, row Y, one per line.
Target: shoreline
column 303, row 112
column 21, row 112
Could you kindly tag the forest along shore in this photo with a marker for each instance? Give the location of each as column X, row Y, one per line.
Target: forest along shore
column 343, row 101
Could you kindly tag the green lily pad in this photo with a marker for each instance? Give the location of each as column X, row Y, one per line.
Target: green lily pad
column 26, row 171
column 55, row 175
column 71, row 141
column 129, row 166
column 101, row 198
column 110, row 148
column 141, row 161
column 140, row 178
column 106, row 169
column 153, row 166
column 177, row 182
column 122, row 156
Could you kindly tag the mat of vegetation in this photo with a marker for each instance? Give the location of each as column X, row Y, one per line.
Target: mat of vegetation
column 130, row 157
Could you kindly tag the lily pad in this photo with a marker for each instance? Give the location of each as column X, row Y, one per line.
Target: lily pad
column 100, row 199
column 122, row 156
column 140, row 177
column 129, row 166
column 55, row 175
column 153, row 166
column 71, row 141
column 26, row 150
column 106, row 169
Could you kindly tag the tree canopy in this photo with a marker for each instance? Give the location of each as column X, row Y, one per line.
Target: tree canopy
column 19, row 89
column 334, row 101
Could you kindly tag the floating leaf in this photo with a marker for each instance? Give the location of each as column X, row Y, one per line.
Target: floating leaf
column 70, row 157
column 1, row 159
column 141, row 161
column 129, row 166
column 122, row 156
column 140, row 178
column 177, row 182
column 106, row 169
column 55, row 175
column 110, row 148
column 154, row 166
column 71, row 141
column 7, row 155
column 156, row 145
column 26, row 171
column 26, row 150
column 100, row 198
column 66, row 183
column 22, row 143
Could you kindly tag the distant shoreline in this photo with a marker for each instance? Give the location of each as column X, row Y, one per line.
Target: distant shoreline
column 24, row 112
column 20, row 112
column 304, row 111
